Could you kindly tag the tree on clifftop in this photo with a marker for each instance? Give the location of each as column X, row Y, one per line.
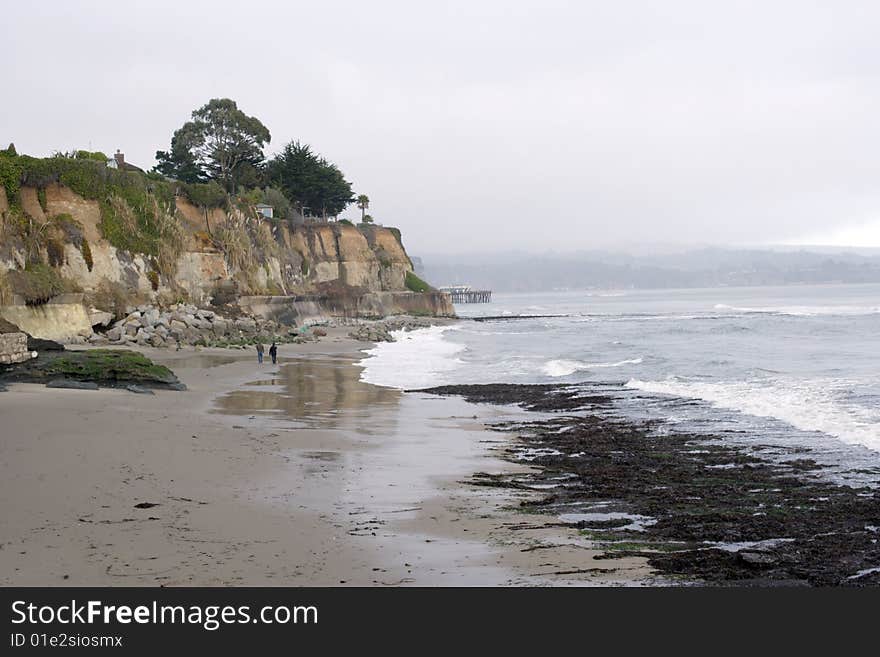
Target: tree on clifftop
column 363, row 202
column 309, row 180
column 220, row 143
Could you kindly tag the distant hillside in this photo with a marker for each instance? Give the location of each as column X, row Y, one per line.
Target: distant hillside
column 709, row 267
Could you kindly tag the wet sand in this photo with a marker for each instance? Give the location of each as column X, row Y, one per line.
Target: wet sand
column 295, row 474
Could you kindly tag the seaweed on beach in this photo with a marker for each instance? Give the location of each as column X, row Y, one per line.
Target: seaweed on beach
column 104, row 367
column 712, row 511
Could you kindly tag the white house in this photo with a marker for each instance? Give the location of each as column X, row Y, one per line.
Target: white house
column 265, row 210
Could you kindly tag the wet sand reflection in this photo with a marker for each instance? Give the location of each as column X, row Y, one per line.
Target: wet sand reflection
column 324, row 393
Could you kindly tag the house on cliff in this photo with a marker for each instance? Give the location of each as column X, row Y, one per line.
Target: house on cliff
column 118, row 162
column 266, row 211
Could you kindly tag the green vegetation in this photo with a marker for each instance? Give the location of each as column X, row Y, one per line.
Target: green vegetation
column 206, row 195
column 108, row 365
column 415, row 284
column 55, row 252
column 136, row 212
column 314, row 185
column 114, row 297
column 346, row 222
column 87, row 254
column 37, row 283
column 278, row 201
column 221, row 143
column 70, row 228
column 97, row 156
column 363, row 202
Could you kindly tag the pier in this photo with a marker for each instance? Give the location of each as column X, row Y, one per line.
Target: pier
column 466, row 294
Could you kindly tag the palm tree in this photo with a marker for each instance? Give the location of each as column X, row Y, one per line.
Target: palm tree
column 363, row 202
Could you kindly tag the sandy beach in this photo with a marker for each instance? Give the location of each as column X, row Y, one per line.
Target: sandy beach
column 295, row 474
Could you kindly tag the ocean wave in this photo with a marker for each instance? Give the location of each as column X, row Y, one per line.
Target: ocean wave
column 417, row 359
column 811, row 405
column 801, row 311
column 562, row 367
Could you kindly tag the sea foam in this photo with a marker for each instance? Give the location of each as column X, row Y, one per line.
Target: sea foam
column 801, row 311
column 811, row 405
column 417, row 359
column 562, row 367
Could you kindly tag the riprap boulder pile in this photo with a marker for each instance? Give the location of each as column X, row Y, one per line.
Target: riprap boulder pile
column 186, row 324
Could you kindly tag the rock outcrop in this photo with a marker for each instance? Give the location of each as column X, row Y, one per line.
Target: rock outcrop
column 123, row 240
column 13, row 344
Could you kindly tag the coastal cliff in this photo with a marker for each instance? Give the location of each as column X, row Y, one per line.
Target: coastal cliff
column 115, row 235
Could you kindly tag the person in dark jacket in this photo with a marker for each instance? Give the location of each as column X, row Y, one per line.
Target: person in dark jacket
column 273, row 352
column 259, row 352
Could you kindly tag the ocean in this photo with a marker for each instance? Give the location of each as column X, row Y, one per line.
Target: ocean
column 785, row 366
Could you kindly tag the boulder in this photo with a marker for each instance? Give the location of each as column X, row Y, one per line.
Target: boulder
column 100, row 318
column 246, row 324
column 114, row 333
column 40, row 344
column 140, row 390
column 150, row 317
column 70, row 383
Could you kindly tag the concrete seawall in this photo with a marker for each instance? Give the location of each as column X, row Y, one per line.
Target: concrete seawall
column 60, row 319
column 301, row 310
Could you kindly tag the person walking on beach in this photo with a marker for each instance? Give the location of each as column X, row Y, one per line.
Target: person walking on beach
column 259, row 352
column 273, row 352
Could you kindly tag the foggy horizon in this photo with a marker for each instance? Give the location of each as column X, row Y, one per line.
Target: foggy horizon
column 491, row 127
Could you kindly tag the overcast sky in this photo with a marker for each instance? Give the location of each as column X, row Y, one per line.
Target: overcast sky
column 478, row 125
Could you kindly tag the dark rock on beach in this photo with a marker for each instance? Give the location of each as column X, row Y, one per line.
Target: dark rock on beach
column 89, row 369
column 70, row 383
column 697, row 507
column 40, row 345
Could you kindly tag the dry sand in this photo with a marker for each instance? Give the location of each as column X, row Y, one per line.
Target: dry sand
column 296, row 474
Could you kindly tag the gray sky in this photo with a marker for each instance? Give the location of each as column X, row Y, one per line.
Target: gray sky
column 482, row 125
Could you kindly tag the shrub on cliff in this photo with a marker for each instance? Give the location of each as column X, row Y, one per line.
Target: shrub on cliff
column 98, row 156
column 114, row 297
column 205, row 195
column 87, row 254
column 36, row 283
column 415, row 284
column 135, row 210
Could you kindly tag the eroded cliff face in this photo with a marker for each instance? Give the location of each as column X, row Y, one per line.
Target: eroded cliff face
column 285, row 261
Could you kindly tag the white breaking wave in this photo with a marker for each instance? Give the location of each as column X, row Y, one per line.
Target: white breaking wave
column 814, row 405
column 803, row 311
column 565, row 367
column 417, row 359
